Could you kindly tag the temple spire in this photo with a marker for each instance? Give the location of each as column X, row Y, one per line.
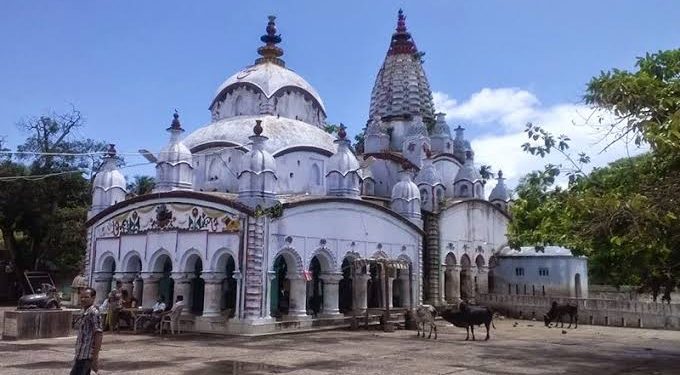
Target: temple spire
column 402, row 43
column 270, row 52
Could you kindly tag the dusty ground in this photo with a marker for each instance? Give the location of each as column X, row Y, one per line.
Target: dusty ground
column 527, row 348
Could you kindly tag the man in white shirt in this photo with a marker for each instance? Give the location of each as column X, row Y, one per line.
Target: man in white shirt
column 159, row 306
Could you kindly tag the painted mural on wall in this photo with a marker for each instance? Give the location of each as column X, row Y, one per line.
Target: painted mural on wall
column 174, row 216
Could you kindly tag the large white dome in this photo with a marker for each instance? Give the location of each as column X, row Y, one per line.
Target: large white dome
column 283, row 133
column 269, row 78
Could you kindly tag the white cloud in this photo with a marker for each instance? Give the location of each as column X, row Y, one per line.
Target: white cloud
column 499, row 117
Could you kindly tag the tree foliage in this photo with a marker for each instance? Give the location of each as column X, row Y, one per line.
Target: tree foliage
column 624, row 217
column 42, row 213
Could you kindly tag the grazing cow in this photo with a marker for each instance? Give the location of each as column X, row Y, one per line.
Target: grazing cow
column 469, row 316
column 558, row 311
column 425, row 314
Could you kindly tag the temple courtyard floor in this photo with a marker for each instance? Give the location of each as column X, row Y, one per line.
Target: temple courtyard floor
column 516, row 347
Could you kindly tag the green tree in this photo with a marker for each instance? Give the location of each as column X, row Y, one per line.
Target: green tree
column 140, row 185
column 624, row 217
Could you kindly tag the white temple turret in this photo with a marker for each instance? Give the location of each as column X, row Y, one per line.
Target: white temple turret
column 343, row 178
column 441, row 136
column 109, row 186
column 460, row 145
column 468, row 182
column 429, row 182
column 257, row 178
column 416, row 142
column 499, row 196
column 406, row 198
column 375, row 138
column 173, row 167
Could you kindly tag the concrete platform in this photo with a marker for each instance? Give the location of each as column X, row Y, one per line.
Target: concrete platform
column 36, row 324
column 525, row 348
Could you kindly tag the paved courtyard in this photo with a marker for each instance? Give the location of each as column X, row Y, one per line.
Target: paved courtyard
column 527, row 348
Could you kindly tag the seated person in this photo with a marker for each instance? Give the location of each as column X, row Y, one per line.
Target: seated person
column 159, row 311
column 126, row 302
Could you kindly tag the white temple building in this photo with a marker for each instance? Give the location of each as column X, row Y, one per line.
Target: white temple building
column 261, row 218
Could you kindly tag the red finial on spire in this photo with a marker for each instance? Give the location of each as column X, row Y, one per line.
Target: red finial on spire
column 402, row 43
column 175, row 125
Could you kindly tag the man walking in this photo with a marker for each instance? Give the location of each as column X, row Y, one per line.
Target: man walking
column 89, row 339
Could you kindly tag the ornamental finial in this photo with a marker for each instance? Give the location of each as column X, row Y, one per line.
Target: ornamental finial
column 257, row 130
column 111, row 151
column 270, row 52
column 175, row 125
column 342, row 134
column 500, row 175
column 402, row 43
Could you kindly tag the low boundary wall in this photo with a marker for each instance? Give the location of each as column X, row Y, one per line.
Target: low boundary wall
column 590, row 311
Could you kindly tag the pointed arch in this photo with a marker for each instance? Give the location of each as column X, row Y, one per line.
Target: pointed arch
column 189, row 259
column 292, row 258
column 328, row 261
column 132, row 262
column 450, row 259
column 465, row 261
column 154, row 262
column 479, row 261
column 221, row 257
column 107, row 262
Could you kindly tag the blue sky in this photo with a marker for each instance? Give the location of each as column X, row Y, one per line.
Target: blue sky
column 492, row 64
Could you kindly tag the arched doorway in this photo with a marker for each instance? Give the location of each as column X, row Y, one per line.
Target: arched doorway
column 133, row 269
column 280, row 289
column 345, row 292
column 491, row 279
column 480, row 279
column 578, row 293
column 197, row 285
column 227, row 265
column 466, row 278
column 373, row 287
column 166, row 285
column 315, row 287
column 451, row 279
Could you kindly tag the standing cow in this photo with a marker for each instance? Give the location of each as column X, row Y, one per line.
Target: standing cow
column 469, row 316
column 558, row 311
column 425, row 314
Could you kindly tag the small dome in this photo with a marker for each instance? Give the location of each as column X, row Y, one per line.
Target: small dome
column 428, row 174
column 499, row 191
column 175, row 153
column 257, row 161
column 108, row 179
column 440, row 126
column 79, row 282
column 467, row 171
column 405, row 189
column 343, row 161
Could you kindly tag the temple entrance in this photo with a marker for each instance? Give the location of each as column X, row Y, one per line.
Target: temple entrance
column 451, row 279
column 466, row 286
column 197, row 288
column 345, row 288
column 315, row 287
column 228, row 300
column 166, row 285
column 374, row 293
column 280, row 289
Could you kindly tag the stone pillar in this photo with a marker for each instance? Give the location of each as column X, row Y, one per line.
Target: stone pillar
column 150, row 293
column 390, row 291
column 405, row 290
column 254, row 253
column 331, row 293
column 271, row 275
column 213, row 292
column 102, row 282
column 298, row 296
column 239, row 279
column 182, row 287
column 359, row 301
column 137, row 290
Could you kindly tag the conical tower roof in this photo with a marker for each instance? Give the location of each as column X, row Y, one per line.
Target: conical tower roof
column 401, row 87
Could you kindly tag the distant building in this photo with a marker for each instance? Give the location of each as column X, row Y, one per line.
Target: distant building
column 553, row 271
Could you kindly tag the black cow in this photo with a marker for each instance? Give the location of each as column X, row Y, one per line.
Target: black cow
column 558, row 311
column 469, row 316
